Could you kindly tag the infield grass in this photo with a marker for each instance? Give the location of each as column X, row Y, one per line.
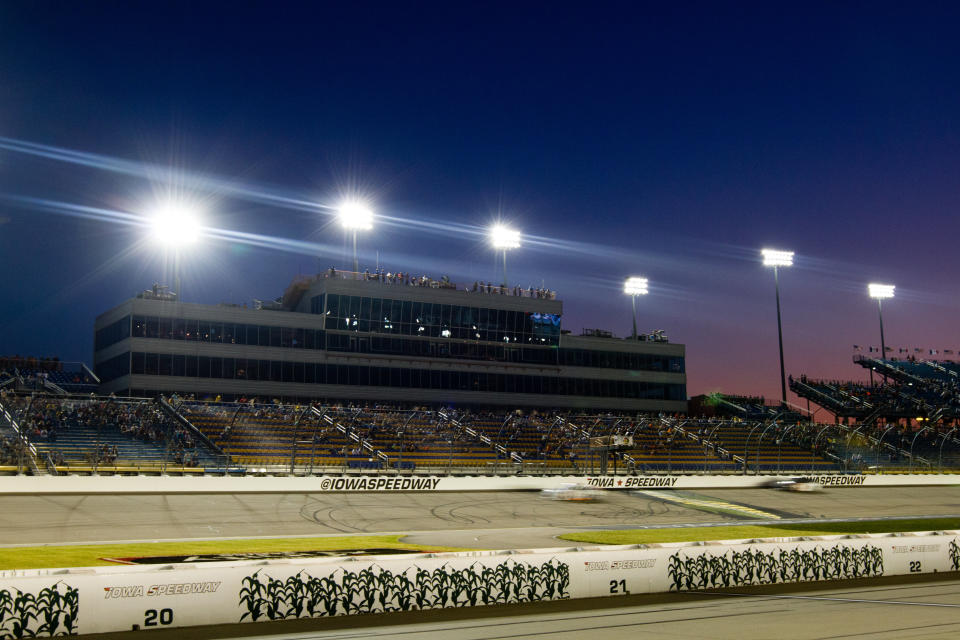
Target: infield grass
column 736, row 532
column 63, row 556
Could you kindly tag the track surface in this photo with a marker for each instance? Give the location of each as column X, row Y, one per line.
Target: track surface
column 479, row 520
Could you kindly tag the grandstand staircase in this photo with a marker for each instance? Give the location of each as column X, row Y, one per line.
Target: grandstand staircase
column 12, row 432
column 480, row 437
column 174, row 414
column 365, row 445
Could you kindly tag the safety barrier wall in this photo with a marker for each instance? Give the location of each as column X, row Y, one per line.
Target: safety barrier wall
column 37, row 485
column 81, row 601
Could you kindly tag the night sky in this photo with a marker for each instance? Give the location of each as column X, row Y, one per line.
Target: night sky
column 669, row 140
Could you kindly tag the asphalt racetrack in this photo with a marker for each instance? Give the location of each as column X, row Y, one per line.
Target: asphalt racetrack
column 474, row 520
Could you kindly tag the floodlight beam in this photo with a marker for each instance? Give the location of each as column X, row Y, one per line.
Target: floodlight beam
column 503, row 238
column 881, row 292
column 174, row 226
column 355, row 216
column 635, row 286
column 777, row 258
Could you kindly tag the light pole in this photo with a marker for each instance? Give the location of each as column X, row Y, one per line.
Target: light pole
column 880, row 292
column 174, row 226
column 633, row 287
column 777, row 259
column 503, row 238
column 355, row 216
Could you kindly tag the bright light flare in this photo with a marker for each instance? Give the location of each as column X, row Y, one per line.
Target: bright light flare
column 502, row 237
column 776, row 258
column 175, row 224
column 880, row 291
column 355, row 215
column 636, row 286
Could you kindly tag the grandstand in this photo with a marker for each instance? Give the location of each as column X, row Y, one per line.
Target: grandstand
column 908, row 415
column 82, row 434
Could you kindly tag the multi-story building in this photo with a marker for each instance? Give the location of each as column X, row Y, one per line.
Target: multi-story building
column 358, row 337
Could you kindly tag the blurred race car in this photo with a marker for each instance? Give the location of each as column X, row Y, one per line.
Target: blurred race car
column 805, row 485
column 571, row 492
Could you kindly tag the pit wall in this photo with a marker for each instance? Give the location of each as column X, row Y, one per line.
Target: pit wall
column 66, row 485
column 103, row 599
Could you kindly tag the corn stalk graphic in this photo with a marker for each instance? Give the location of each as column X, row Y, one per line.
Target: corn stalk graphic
column 50, row 612
column 954, row 550
column 375, row 589
column 756, row 567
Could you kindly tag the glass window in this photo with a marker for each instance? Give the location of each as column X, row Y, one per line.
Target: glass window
column 139, row 327
column 152, row 328
column 191, row 367
column 275, row 336
column 137, row 363
column 150, row 364
column 204, row 331
column 333, row 306
column 166, row 329
column 190, row 330
column 216, row 367
column 178, row 329
column 164, row 364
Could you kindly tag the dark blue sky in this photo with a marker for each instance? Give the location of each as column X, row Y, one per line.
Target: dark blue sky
column 672, row 142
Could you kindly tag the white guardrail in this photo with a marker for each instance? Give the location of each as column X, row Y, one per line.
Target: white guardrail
column 64, row 485
column 103, row 599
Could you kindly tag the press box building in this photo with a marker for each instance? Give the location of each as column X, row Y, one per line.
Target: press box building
column 341, row 336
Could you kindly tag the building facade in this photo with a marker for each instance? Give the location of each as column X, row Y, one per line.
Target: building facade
column 371, row 339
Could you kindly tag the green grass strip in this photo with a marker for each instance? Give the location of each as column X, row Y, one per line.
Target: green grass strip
column 45, row 557
column 734, row 532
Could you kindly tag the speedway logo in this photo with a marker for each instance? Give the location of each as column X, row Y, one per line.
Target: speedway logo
column 620, row 565
column 182, row 588
column 632, row 482
column 379, row 484
column 840, row 481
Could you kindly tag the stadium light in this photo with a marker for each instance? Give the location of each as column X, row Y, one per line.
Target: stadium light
column 355, row 216
column 633, row 287
column 776, row 259
column 503, row 238
column 175, row 225
column 881, row 292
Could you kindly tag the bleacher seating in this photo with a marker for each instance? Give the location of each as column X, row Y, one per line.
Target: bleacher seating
column 82, row 433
